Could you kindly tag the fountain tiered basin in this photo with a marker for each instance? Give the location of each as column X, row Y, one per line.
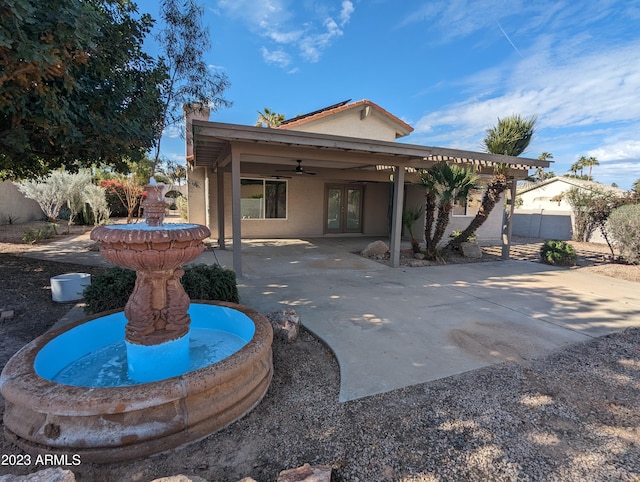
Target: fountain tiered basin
column 161, row 373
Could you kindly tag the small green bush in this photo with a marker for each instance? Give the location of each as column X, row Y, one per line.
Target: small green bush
column 624, row 227
column 558, row 253
column 35, row 235
column 111, row 289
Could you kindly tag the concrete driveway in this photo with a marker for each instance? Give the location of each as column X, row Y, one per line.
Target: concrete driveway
column 391, row 328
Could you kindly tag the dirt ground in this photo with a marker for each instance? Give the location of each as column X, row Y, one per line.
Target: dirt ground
column 571, row 416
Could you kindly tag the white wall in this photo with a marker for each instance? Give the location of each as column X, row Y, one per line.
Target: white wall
column 14, row 205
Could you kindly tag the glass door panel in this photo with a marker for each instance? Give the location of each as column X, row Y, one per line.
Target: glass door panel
column 334, row 210
column 343, row 209
column 354, row 210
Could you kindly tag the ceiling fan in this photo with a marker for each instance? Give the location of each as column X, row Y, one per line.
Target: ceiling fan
column 298, row 169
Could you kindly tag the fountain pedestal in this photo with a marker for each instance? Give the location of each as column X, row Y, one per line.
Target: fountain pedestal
column 157, row 332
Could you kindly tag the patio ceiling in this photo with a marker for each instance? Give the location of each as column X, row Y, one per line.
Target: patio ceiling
column 213, row 140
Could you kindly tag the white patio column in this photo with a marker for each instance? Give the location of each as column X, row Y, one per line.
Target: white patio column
column 220, row 205
column 396, row 215
column 507, row 225
column 236, row 217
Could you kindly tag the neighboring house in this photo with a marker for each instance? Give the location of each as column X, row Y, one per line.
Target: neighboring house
column 545, row 212
column 15, row 207
column 335, row 171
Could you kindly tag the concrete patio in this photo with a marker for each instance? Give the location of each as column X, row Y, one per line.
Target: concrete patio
column 395, row 327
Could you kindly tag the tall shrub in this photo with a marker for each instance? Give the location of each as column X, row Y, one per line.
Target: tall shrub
column 96, row 198
column 51, row 193
column 624, row 227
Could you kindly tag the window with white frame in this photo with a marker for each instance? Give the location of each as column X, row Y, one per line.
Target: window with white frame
column 470, row 206
column 263, row 199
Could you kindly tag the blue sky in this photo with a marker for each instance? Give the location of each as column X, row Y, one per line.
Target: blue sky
column 449, row 68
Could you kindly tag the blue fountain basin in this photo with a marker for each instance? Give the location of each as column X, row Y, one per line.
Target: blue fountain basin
column 94, row 354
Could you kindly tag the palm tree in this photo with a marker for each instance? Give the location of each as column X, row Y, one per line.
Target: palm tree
column 540, row 175
column 590, row 162
column 575, row 167
column 269, row 118
column 409, row 217
column 448, row 184
column 510, row 137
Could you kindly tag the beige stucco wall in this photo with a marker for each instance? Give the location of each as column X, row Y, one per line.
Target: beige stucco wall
column 350, row 123
column 14, row 205
column 305, row 210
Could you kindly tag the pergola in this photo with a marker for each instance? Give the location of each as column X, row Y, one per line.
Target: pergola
column 221, row 147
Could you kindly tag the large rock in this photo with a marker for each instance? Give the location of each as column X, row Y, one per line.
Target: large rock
column 286, row 324
column 471, row 250
column 376, row 248
column 46, row 475
column 180, row 478
column 306, row 473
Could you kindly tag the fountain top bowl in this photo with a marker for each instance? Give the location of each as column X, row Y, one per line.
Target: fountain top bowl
column 143, row 233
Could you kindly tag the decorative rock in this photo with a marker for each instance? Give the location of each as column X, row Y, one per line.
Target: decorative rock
column 471, row 250
column 306, row 473
column 419, row 256
column 376, row 248
column 417, row 263
column 180, row 478
column 6, row 314
column 286, row 324
column 47, row 475
column 248, row 479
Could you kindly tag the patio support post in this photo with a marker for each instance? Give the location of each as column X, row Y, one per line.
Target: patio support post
column 220, row 205
column 207, row 196
column 396, row 216
column 507, row 225
column 235, row 211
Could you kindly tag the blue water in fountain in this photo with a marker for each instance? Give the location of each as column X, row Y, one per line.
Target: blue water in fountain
column 94, row 354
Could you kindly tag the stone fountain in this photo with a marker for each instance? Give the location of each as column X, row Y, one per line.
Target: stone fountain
column 165, row 398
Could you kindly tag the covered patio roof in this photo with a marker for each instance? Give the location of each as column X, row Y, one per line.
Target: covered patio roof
column 212, row 140
column 221, row 146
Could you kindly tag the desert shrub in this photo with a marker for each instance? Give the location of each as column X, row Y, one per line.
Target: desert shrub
column 203, row 282
column 558, row 253
column 35, row 235
column 111, row 289
column 624, row 227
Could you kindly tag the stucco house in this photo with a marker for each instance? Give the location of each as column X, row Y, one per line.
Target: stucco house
column 334, row 171
column 543, row 211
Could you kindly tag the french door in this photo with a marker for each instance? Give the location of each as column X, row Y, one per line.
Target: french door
column 343, row 208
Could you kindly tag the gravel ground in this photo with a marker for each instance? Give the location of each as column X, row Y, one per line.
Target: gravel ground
column 572, row 416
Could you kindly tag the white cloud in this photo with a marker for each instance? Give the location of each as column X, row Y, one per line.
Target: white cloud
column 174, row 131
column 346, row 12
column 274, row 21
column 629, row 149
column 277, row 57
column 587, row 91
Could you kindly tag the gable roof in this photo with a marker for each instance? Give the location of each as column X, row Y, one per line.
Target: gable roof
column 402, row 128
column 573, row 182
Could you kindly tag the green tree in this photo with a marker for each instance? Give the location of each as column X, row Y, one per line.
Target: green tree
column 510, row 137
column 447, row 184
column 190, row 81
column 75, row 87
column 269, row 118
